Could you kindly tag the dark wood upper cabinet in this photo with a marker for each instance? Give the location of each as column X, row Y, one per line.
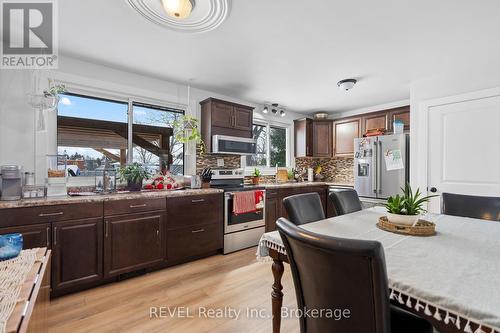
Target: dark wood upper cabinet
column 77, row 253
column 220, row 117
column 133, row 241
column 322, row 142
column 303, row 129
column 375, row 121
column 34, row 235
column 345, row 131
column 402, row 114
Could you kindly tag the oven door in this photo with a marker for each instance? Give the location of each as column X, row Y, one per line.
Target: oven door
column 234, row 223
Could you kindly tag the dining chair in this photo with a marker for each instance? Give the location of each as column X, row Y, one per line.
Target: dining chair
column 345, row 200
column 486, row 208
column 304, row 208
column 337, row 273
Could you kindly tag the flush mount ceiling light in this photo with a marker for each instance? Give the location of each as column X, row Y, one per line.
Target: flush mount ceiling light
column 346, row 84
column 179, row 9
column 183, row 15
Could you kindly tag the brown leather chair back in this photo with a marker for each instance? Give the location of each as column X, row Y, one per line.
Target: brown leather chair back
column 336, row 273
column 486, row 208
column 304, row 208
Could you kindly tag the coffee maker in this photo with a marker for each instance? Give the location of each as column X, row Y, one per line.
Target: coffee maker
column 11, row 182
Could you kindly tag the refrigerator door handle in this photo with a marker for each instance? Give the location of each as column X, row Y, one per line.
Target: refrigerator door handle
column 374, row 168
column 379, row 167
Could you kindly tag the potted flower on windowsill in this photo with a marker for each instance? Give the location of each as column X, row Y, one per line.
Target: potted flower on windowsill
column 406, row 209
column 256, row 176
column 134, row 174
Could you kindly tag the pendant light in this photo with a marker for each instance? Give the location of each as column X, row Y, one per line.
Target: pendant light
column 179, row 9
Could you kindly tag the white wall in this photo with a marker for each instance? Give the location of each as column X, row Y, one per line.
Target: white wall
column 17, row 117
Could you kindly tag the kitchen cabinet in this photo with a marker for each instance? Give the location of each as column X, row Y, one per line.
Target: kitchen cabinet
column 322, row 143
column 35, row 235
column 133, row 241
column 375, row 121
column 402, row 114
column 274, row 203
column 194, row 226
column 220, row 117
column 77, row 255
column 303, row 129
column 345, row 131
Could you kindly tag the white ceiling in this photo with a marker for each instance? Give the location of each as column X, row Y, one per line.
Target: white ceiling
column 293, row 52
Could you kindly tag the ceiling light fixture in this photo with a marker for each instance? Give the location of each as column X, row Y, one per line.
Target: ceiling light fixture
column 274, row 110
column 179, row 9
column 265, row 109
column 346, row 84
column 282, row 113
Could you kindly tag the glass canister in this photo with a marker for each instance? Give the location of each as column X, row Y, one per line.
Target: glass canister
column 105, row 178
column 398, row 126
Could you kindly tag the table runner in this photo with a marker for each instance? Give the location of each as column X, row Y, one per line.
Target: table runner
column 456, row 271
column 13, row 273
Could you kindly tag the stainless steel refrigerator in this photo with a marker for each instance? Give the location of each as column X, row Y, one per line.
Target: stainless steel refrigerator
column 381, row 165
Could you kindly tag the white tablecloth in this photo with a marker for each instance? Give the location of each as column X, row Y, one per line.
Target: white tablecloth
column 457, row 270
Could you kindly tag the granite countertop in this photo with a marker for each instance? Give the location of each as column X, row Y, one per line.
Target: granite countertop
column 292, row 184
column 105, row 197
column 340, row 184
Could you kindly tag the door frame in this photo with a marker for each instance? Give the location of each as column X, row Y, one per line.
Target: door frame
column 424, row 108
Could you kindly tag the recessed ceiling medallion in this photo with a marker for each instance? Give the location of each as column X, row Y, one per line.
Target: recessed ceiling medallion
column 206, row 15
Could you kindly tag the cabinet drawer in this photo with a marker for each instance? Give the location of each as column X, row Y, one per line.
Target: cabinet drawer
column 194, row 210
column 193, row 241
column 34, row 235
column 44, row 214
column 119, row 207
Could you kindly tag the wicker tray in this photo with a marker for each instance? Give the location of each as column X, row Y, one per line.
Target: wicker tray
column 421, row 228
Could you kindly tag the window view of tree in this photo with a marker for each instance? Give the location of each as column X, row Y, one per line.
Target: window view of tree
column 161, row 117
column 259, row 159
column 272, row 154
column 277, row 147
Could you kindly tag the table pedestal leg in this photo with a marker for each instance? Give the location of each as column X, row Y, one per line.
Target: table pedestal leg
column 277, row 294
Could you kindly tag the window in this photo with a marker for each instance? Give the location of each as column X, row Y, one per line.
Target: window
column 93, row 132
column 159, row 117
column 271, row 147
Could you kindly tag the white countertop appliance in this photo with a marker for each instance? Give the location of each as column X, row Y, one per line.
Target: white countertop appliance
column 242, row 230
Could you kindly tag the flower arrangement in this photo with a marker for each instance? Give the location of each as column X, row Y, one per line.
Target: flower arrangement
column 162, row 182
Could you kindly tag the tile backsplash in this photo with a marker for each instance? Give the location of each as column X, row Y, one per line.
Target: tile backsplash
column 335, row 169
column 210, row 161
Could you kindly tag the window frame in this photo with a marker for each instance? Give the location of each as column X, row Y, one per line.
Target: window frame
column 130, row 102
column 269, row 169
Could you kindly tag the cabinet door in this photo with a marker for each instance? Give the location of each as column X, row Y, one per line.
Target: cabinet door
column 243, row 119
column 303, row 137
column 77, row 253
column 222, row 115
column 133, row 242
column 345, row 131
column 402, row 114
column 271, row 213
column 376, row 121
column 35, row 235
column 322, row 132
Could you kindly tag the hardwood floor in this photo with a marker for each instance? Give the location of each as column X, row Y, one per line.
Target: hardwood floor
column 236, row 281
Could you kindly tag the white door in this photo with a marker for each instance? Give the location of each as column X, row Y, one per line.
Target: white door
column 464, row 149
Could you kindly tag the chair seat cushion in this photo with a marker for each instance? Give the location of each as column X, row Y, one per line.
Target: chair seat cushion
column 403, row 321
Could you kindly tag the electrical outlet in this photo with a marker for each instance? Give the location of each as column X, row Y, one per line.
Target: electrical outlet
column 220, row 162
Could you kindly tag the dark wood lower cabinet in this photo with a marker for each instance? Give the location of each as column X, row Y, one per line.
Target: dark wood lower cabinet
column 77, row 253
column 193, row 241
column 133, row 242
column 34, row 235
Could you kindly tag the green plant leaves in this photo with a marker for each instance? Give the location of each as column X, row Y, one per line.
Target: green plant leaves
column 134, row 173
column 408, row 204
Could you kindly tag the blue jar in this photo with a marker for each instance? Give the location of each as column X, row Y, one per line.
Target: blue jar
column 10, row 246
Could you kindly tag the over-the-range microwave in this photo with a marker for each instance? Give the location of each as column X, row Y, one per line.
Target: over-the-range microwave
column 223, row 144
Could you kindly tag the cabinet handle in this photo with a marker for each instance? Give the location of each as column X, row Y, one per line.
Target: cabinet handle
column 55, row 236
column 137, row 206
column 48, row 236
column 106, row 229
column 197, row 200
column 50, row 214
column 158, row 233
column 197, row 231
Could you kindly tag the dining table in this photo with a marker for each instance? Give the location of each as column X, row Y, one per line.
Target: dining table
column 451, row 278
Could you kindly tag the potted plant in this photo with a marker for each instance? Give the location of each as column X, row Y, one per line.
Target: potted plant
column 407, row 208
column 256, row 176
column 134, row 174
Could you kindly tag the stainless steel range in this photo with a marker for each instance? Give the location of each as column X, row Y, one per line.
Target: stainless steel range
column 240, row 230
